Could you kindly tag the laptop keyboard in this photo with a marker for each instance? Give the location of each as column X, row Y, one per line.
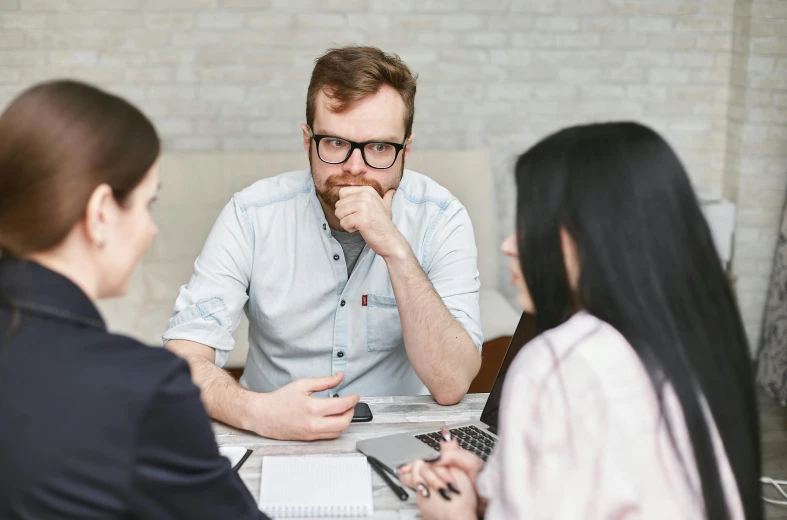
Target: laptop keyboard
column 470, row 438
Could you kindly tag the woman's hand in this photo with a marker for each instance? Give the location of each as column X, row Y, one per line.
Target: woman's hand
column 446, row 486
column 450, row 456
column 441, row 504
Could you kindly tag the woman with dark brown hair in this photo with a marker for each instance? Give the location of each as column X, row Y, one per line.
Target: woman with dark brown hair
column 95, row 425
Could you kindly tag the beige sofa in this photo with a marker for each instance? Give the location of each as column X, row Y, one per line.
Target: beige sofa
column 194, row 188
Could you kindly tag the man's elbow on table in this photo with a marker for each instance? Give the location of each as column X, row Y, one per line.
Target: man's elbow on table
column 452, row 393
column 450, row 396
column 455, row 390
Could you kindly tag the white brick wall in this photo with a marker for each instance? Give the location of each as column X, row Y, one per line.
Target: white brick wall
column 756, row 169
column 232, row 75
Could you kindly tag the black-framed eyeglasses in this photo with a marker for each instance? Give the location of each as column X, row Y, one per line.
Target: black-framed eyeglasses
column 379, row 155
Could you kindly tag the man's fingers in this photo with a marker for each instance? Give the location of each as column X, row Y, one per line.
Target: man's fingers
column 388, row 198
column 351, row 190
column 326, row 435
column 348, row 208
column 337, row 405
column 319, row 384
column 331, row 426
column 339, row 422
column 349, row 224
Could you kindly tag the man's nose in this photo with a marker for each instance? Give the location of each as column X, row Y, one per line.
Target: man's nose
column 355, row 165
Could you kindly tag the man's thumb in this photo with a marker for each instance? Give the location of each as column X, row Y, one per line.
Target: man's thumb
column 319, row 384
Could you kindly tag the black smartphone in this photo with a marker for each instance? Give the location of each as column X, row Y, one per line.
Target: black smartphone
column 362, row 413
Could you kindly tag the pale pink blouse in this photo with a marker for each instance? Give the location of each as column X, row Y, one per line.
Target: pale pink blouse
column 581, row 437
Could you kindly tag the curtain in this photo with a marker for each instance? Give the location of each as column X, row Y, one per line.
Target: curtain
column 772, row 358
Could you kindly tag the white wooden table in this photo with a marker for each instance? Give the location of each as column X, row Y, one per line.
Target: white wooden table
column 391, row 415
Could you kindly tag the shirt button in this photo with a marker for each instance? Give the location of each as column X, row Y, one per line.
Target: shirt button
column 340, row 354
column 335, row 395
column 336, row 257
column 343, row 303
column 323, row 227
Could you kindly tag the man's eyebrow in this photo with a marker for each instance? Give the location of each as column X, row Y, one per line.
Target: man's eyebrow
column 389, row 138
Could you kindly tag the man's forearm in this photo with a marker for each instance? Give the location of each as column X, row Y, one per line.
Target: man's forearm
column 223, row 397
column 440, row 350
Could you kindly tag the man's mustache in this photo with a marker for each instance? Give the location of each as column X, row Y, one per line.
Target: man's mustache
column 352, row 180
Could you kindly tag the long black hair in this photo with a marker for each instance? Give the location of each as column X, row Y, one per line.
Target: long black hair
column 649, row 268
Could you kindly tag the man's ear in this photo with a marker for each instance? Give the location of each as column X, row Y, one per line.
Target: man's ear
column 307, row 138
column 100, row 215
column 408, row 146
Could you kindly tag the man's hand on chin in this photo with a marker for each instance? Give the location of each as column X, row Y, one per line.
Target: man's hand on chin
column 360, row 208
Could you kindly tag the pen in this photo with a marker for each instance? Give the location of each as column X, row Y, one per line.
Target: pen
column 378, row 467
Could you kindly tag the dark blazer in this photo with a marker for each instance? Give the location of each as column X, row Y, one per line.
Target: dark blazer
column 97, row 425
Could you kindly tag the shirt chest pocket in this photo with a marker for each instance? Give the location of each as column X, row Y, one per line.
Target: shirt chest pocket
column 383, row 326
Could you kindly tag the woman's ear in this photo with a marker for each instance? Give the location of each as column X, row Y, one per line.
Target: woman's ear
column 100, row 216
column 570, row 257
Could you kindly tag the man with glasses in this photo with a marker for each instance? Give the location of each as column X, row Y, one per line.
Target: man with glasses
column 358, row 277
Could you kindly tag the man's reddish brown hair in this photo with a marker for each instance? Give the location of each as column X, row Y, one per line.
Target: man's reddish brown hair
column 348, row 74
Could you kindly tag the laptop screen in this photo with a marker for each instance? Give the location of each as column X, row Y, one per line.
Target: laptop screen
column 525, row 331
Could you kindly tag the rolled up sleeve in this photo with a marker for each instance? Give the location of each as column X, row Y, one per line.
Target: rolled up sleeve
column 208, row 308
column 451, row 260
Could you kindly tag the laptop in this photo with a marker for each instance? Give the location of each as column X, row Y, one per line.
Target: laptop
column 477, row 436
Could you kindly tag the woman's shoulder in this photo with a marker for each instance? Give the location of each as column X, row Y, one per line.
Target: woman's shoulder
column 580, row 352
column 568, row 342
column 116, row 344
column 123, row 361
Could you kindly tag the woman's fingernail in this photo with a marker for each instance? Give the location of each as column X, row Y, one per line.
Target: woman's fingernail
column 423, row 491
column 444, row 494
column 454, row 488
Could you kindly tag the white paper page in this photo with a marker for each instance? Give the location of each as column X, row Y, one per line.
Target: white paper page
column 313, row 486
column 234, row 453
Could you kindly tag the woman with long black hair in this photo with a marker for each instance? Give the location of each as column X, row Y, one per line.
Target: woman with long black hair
column 636, row 400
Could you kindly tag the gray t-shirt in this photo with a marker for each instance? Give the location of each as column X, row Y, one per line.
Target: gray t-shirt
column 352, row 245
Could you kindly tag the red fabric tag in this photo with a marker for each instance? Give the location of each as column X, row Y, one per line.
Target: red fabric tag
column 363, row 301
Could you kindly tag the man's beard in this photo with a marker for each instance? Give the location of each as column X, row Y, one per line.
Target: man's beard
column 328, row 192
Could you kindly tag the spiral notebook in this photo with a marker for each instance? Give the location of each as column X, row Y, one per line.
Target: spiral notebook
column 316, row 486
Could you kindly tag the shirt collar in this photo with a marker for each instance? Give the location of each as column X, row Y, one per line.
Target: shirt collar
column 34, row 289
column 318, row 211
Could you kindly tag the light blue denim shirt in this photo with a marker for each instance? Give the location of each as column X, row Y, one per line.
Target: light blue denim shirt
column 271, row 254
